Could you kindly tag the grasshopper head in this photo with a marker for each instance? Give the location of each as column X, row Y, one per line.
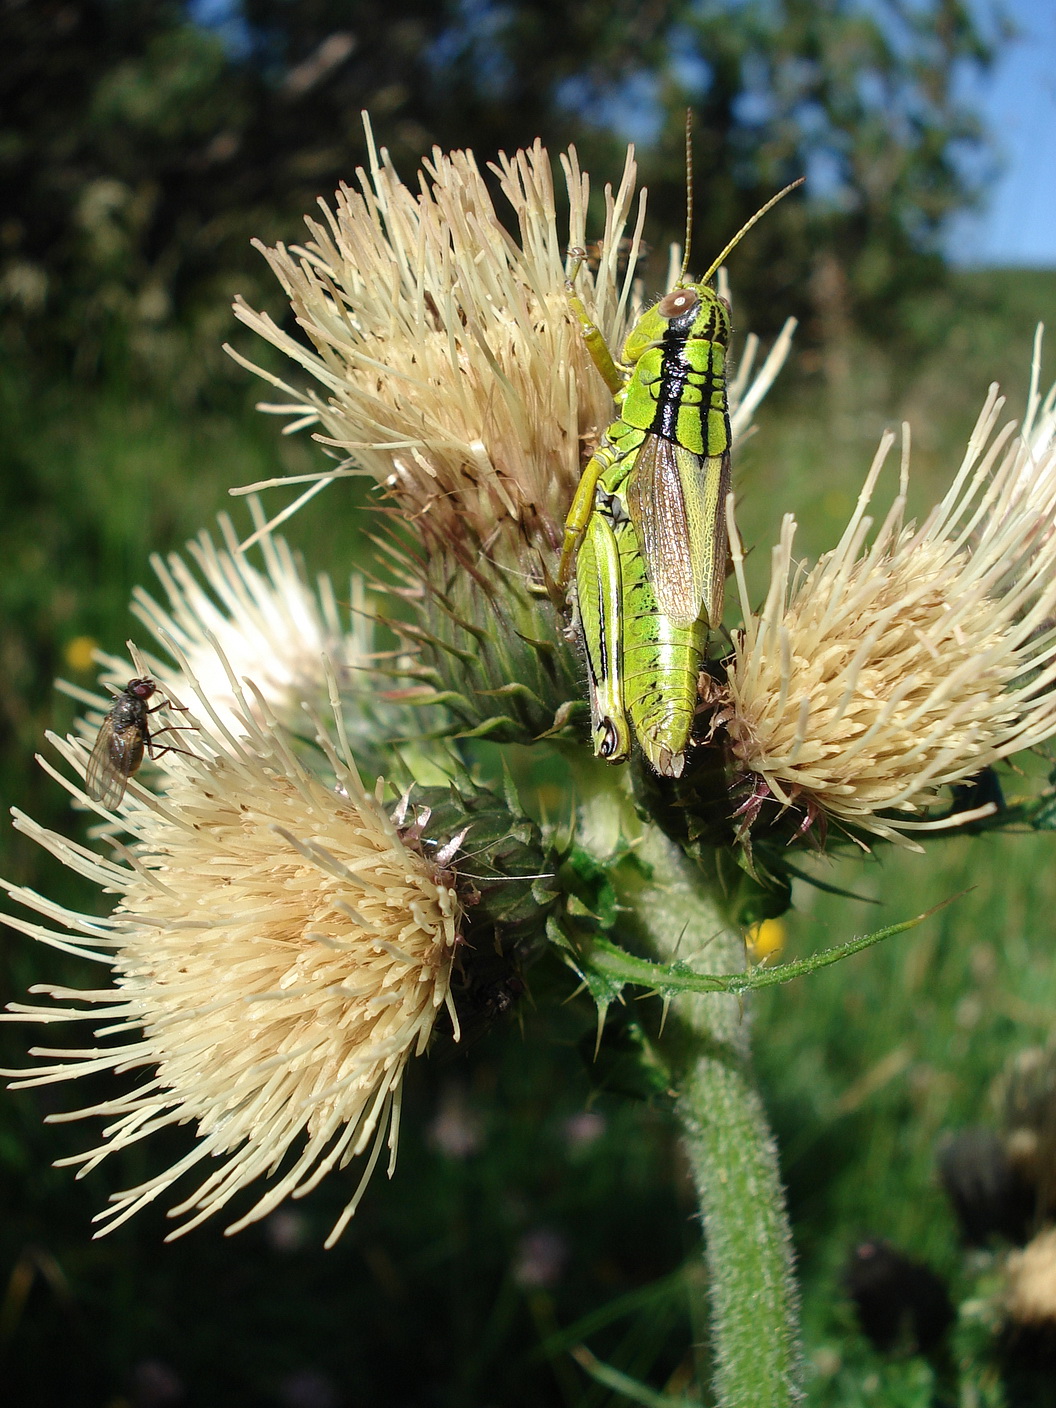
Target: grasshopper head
column 692, row 310
column 695, row 310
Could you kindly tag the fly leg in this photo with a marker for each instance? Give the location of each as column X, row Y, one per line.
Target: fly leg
column 167, row 704
column 153, row 752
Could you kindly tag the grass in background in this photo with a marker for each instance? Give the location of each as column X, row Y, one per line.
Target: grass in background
column 553, row 1220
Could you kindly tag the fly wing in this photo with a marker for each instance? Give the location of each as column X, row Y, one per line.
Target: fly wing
column 114, row 758
column 677, row 502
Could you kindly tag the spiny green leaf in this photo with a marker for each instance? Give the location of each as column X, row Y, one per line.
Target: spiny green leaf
column 618, row 966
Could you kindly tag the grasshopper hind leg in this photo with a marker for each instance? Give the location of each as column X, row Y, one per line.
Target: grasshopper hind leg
column 599, row 609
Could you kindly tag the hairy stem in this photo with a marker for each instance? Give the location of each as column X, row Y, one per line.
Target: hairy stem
column 748, row 1255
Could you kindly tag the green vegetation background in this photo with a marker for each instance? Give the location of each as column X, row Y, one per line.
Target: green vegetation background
column 532, row 1209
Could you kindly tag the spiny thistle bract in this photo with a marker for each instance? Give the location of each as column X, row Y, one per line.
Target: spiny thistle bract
column 484, row 654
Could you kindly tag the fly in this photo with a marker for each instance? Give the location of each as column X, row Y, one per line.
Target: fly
column 123, row 737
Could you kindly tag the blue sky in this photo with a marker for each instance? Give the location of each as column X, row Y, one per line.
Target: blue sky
column 1017, row 102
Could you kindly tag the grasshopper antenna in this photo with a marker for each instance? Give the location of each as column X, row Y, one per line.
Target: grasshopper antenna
column 689, row 198
column 749, row 223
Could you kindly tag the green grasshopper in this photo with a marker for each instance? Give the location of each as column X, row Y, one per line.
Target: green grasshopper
column 647, row 526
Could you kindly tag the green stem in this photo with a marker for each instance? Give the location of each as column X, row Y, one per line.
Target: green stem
column 732, row 1154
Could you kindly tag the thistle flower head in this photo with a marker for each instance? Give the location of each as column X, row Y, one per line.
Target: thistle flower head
column 279, row 949
column 453, row 371
column 894, row 668
column 229, row 619
column 272, row 626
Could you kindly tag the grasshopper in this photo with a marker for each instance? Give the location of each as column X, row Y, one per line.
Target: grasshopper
column 647, row 526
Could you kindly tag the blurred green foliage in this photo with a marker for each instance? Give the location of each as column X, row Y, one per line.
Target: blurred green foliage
column 140, row 152
column 531, row 1211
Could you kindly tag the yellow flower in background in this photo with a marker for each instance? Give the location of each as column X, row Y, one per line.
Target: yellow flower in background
column 79, row 653
column 766, row 940
column 279, row 951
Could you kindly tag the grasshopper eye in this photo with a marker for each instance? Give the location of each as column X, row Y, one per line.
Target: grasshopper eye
column 678, row 303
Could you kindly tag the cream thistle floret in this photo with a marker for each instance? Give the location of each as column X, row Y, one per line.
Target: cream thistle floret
column 271, row 626
column 280, row 950
column 452, row 369
column 894, row 668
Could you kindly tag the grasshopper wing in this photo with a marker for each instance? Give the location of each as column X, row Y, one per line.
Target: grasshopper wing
column 677, row 502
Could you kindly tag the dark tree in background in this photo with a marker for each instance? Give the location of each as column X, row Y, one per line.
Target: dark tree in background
column 143, row 142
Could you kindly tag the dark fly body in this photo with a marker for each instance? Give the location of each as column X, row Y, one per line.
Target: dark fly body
column 123, row 737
